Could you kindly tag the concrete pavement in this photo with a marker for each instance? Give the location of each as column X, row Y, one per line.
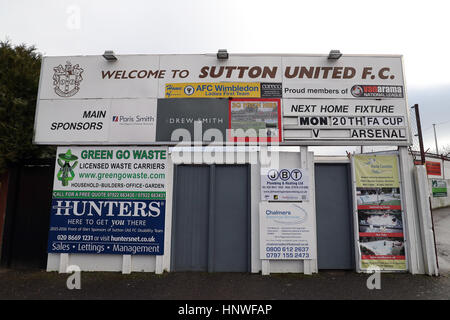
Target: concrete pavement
column 220, row 286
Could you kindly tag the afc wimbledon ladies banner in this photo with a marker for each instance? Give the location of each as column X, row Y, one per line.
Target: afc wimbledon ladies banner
column 109, row 200
column 379, row 212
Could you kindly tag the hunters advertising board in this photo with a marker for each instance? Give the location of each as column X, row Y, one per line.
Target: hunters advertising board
column 79, row 96
column 287, row 231
column 109, row 200
column 379, row 213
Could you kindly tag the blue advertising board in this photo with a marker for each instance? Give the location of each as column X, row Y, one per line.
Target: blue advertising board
column 107, row 226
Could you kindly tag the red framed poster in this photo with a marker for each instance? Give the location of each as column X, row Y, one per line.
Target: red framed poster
column 433, row 168
column 254, row 120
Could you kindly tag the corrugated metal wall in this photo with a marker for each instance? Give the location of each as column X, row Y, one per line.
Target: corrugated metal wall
column 211, row 219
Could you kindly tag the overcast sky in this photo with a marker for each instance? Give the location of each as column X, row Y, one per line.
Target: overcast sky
column 417, row 29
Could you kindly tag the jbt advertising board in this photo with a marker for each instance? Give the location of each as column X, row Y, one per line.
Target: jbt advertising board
column 284, row 184
column 109, row 200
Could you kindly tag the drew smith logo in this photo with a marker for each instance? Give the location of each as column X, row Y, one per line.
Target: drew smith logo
column 66, row 80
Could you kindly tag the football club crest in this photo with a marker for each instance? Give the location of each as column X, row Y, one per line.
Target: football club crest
column 67, row 79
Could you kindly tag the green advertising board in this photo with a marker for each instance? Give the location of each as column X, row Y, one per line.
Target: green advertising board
column 439, row 188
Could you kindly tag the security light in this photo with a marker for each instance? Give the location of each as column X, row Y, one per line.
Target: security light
column 222, row 54
column 334, row 54
column 109, row 55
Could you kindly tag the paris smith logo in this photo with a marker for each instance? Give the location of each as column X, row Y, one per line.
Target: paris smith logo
column 66, row 80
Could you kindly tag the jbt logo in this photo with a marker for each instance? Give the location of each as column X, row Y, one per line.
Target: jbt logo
column 285, row 174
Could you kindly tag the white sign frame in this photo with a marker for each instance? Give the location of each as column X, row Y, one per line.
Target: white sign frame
column 145, row 76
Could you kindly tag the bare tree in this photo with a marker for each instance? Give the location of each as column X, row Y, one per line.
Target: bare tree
column 445, row 150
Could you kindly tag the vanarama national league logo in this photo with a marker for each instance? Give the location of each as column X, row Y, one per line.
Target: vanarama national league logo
column 65, row 173
column 357, row 91
column 67, row 79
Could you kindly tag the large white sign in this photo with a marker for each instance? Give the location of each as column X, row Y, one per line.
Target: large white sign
column 286, row 231
column 127, row 91
column 145, row 76
column 284, row 184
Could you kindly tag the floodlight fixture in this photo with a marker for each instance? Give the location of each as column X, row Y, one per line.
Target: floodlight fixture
column 334, row 55
column 109, row 55
column 222, row 54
